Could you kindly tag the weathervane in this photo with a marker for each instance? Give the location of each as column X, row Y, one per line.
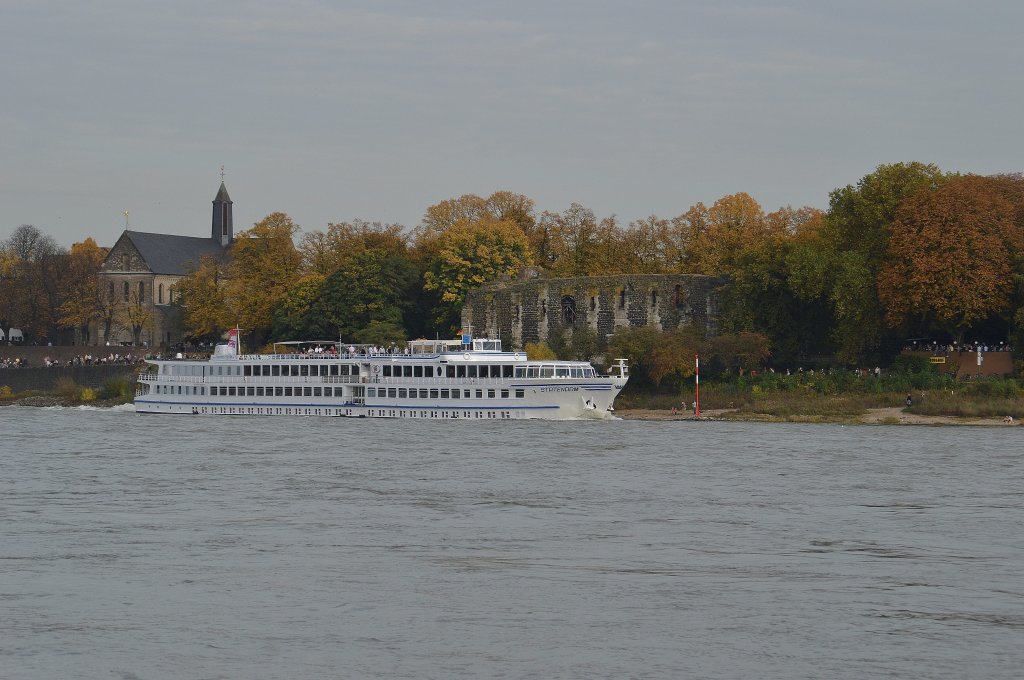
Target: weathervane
column 222, row 173
column 126, row 220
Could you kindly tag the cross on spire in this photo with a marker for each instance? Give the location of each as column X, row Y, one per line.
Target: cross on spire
column 222, row 173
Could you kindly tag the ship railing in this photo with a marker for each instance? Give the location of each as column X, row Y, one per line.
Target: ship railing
column 251, row 379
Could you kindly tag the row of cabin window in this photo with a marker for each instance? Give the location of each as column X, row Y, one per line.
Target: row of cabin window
column 298, row 369
column 252, row 391
column 409, row 393
column 491, row 371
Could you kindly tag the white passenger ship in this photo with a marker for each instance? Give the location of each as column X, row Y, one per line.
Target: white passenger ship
column 470, row 378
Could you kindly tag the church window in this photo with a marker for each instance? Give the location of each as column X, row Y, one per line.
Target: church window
column 142, row 291
column 160, row 294
column 678, row 297
column 170, row 295
column 110, row 292
column 654, row 299
column 569, row 310
column 622, row 299
column 126, row 291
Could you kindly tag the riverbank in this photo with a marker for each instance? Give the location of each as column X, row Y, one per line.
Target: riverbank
column 872, row 416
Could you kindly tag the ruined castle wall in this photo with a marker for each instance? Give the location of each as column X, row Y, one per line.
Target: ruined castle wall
column 519, row 312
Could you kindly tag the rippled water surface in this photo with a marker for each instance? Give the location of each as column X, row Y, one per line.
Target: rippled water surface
column 178, row 547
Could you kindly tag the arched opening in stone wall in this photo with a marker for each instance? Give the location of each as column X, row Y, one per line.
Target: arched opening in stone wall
column 568, row 310
column 678, row 297
column 622, row 299
column 593, row 303
column 126, row 291
column 543, row 309
column 654, row 299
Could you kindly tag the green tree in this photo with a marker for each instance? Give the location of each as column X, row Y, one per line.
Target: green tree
column 856, row 239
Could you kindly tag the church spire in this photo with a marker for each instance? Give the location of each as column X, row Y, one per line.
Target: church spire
column 223, row 229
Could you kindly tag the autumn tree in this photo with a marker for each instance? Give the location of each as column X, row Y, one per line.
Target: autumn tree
column 201, row 299
column 470, row 254
column 951, row 257
column 83, row 300
column 263, row 264
column 38, row 272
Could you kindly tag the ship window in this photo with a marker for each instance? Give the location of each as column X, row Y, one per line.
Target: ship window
column 450, row 371
column 562, row 372
column 460, row 371
column 547, row 371
column 520, row 372
column 259, row 391
column 490, row 394
column 479, row 394
column 391, row 392
column 407, row 371
column 333, row 369
column 355, row 370
column 318, row 392
column 577, row 372
column 266, row 370
column 444, row 394
column 247, row 370
column 231, row 391
column 423, row 394
column 250, row 391
column 288, row 391
column 520, row 394
column 278, row 391
column 417, row 371
column 504, row 394
column 533, row 372
column 371, row 391
column 433, row 394
column 304, row 370
column 429, row 372
column 471, row 371
column 507, row 370
column 387, row 371
column 307, row 391
column 403, row 393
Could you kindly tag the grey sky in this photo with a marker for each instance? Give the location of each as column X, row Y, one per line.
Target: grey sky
column 330, row 111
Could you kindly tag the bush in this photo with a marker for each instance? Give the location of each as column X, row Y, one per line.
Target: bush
column 116, row 388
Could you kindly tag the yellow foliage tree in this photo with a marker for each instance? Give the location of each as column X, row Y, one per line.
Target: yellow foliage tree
column 264, row 263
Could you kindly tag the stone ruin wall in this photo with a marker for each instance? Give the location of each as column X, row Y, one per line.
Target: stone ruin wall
column 519, row 312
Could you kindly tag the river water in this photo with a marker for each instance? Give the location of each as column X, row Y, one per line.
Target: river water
column 138, row 547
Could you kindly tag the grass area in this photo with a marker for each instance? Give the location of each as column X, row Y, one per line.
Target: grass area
column 66, row 392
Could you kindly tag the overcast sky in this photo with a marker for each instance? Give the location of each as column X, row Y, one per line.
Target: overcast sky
column 331, row 111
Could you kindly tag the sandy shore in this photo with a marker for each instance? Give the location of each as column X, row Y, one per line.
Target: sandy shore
column 875, row 416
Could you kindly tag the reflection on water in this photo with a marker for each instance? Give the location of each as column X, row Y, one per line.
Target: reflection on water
column 149, row 547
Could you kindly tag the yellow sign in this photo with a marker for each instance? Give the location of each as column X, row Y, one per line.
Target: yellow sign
column 938, row 360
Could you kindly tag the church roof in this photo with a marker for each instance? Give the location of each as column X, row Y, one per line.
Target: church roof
column 171, row 254
column 222, row 195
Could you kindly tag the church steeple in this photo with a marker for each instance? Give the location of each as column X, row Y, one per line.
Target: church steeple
column 223, row 230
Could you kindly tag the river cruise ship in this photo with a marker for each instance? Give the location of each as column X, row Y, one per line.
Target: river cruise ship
column 454, row 379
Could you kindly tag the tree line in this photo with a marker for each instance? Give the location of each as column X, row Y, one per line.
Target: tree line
column 909, row 251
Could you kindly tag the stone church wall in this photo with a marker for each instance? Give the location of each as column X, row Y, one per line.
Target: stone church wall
column 519, row 312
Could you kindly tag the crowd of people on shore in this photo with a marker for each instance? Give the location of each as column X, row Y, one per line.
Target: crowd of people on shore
column 112, row 359
column 951, row 347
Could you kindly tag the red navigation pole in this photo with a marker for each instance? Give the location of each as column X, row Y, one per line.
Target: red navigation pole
column 696, row 400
